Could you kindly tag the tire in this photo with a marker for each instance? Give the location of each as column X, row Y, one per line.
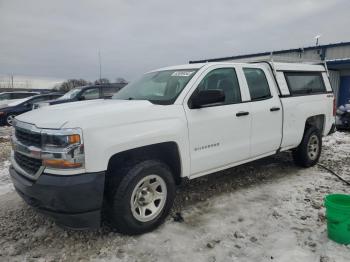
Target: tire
column 9, row 119
column 309, row 150
column 142, row 199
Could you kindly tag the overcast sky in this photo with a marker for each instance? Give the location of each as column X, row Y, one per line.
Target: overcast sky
column 60, row 39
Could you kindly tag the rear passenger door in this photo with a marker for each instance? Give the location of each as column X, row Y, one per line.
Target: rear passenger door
column 266, row 111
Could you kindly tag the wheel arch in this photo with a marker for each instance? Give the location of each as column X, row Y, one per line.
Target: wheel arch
column 167, row 152
column 317, row 121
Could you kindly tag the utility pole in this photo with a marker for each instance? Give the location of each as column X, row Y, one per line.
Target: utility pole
column 99, row 60
column 317, row 39
column 10, row 81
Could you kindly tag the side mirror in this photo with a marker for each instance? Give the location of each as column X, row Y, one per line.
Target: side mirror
column 208, row 97
column 81, row 98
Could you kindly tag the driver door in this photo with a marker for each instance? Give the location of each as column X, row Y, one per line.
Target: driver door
column 219, row 134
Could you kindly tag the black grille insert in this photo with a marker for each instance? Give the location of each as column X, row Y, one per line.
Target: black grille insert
column 28, row 138
column 29, row 164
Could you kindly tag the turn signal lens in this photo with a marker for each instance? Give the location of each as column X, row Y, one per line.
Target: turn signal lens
column 74, row 139
column 60, row 163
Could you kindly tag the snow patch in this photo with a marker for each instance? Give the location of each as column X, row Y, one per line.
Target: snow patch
column 5, row 181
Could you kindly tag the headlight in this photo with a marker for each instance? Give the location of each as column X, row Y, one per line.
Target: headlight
column 63, row 149
column 59, row 141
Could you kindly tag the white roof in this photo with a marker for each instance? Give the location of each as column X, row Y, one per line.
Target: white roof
column 178, row 67
column 278, row 66
column 298, row 67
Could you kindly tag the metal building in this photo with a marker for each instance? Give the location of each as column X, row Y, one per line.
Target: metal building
column 336, row 56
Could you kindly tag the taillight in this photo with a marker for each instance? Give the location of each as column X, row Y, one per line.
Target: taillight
column 334, row 107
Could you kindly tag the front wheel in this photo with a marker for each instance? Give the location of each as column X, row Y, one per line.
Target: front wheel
column 309, row 150
column 9, row 119
column 143, row 198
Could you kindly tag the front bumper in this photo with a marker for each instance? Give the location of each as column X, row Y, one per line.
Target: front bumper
column 332, row 130
column 3, row 120
column 73, row 201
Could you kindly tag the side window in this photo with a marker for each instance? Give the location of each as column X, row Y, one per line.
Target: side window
column 17, row 96
column 37, row 100
column 92, row 93
column 54, row 97
column 108, row 92
column 224, row 79
column 305, row 82
column 257, row 83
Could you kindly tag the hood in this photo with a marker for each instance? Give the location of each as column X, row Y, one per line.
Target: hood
column 4, row 102
column 93, row 113
column 12, row 102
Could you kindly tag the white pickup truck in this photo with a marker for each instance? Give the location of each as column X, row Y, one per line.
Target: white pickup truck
column 127, row 154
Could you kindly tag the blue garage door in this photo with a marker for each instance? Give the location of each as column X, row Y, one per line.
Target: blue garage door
column 344, row 91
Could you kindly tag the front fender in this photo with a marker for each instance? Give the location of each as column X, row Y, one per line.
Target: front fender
column 102, row 144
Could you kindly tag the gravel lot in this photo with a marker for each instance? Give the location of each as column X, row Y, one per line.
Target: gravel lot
column 268, row 210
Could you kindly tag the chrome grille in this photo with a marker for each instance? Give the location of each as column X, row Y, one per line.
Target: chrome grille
column 28, row 164
column 28, row 138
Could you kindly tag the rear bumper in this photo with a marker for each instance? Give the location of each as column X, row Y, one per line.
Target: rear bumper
column 72, row 201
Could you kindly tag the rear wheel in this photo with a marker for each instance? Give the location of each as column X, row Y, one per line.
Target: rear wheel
column 309, row 150
column 142, row 198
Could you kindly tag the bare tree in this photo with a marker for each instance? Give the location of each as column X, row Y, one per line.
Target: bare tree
column 121, row 80
column 72, row 83
column 102, row 81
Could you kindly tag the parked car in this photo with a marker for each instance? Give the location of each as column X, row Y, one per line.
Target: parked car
column 85, row 93
column 10, row 111
column 8, row 97
column 128, row 153
column 343, row 117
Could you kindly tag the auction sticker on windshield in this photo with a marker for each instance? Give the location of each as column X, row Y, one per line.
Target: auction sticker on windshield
column 182, row 73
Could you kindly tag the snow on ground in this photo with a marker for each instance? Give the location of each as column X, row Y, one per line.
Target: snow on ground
column 268, row 210
column 5, row 181
column 5, row 132
column 338, row 143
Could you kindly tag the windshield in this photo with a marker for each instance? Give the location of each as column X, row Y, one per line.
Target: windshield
column 4, row 96
column 160, row 87
column 70, row 94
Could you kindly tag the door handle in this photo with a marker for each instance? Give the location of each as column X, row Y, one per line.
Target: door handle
column 242, row 113
column 274, row 109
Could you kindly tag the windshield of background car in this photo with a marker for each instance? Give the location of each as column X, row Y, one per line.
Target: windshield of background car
column 4, row 96
column 160, row 87
column 70, row 94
